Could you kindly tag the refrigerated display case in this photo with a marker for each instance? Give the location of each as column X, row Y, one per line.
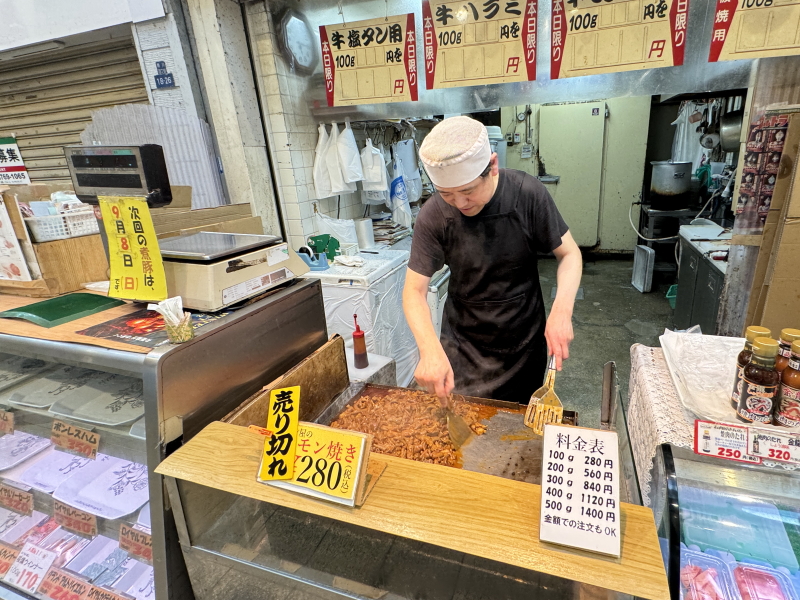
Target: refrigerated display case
column 727, row 529
column 141, row 406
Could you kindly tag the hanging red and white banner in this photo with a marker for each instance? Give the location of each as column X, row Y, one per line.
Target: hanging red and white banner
column 370, row 62
column 479, row 43
column 589, row 37
column 754, row 29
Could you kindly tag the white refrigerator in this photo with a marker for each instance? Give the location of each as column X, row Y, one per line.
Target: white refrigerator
column 375, row 293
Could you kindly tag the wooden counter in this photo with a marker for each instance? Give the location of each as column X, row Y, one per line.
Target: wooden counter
column 482, row 515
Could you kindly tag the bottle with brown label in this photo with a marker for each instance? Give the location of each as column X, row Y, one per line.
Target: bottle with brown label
column 785, row 351
column 742, row 361
column 787, row 412
column 760, row 383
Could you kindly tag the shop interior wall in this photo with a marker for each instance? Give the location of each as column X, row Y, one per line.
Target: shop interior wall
column 625, row 145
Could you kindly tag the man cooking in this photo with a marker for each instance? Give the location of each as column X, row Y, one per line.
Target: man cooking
column 487, row 224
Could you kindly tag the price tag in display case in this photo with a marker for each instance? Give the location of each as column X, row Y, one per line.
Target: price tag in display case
column 330, row 464
column 6, row 422
column 75, row 520
column 774, row 444
column 29, row 569
column 723, row 440
column 99, row 593
column 136, row 542
column 8, row 556
column 16, row 499
column 75, row 439
column 59, row 585
column 580, row 489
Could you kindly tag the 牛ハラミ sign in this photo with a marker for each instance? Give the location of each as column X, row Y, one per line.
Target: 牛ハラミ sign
column 370, row 62
column 12, row 169
column 580, row 489
column 607, row 36
column 754, row 29
column 137, row 272
column 330, row 464
column 478, row 43
column 278, row 457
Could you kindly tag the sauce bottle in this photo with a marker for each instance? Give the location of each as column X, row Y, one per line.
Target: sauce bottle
column 785, row 352
column 787, row 413
column 359, row 347
column 760, row 383
column 752, row 333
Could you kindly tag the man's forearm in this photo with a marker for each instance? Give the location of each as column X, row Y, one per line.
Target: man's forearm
column 568, row 279
column 418, row 315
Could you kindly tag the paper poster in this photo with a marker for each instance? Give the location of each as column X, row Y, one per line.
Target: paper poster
column 755, row 29
column 608, row 36
column 478, row 43
column 12, row 261
column 137, row 272
column 12, row 168
column 280, row 448
column 370, row 62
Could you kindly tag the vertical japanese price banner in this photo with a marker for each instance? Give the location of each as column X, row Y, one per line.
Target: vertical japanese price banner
column 280, row 448
column 330, row 464
column 754, row 29
column 12, row 169
column 137, row 272
column 370, row 62
column 607, row 36
column 478, row 43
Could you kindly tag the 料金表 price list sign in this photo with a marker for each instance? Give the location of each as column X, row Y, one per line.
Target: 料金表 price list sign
column 580, row 489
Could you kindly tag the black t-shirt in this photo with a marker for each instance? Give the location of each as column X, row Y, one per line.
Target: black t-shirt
column 517, row 191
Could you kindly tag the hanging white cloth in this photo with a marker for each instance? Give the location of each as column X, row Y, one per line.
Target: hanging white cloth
column 338, row 184
column 686, row 142
column 322, row 178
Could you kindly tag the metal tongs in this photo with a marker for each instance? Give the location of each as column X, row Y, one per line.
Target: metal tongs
column 545, row 406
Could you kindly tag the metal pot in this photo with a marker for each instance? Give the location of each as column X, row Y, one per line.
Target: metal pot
column 730, row 130
column 671, row 179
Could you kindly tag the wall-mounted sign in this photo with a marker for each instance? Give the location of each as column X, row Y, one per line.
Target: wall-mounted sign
column 370, row 62
column 162, row 78
column 480, row 42
column 12, row 169
column 755, row 29
column 608, row 36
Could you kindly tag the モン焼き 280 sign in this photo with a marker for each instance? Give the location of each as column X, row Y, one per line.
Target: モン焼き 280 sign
column 370, row 62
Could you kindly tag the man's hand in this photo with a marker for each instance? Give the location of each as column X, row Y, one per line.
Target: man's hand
column 558, row 333
column 435, row 374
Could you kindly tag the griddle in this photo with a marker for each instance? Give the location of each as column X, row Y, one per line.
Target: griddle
column 507, row 449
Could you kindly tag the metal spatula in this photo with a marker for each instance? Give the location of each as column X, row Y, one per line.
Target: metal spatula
column 544, row 406
column 456, row 426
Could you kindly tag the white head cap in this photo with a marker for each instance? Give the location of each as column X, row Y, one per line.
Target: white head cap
column 456, row 151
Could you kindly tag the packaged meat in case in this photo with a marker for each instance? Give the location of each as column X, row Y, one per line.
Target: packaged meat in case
column 762, row 583
column 705, row 577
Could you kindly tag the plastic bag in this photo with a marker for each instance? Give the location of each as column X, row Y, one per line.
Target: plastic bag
column 374, row 168
column 406, row 151
column 401, row 211
column 322, row 178
column 343, row 230
column 349, row 157
column 338, row 184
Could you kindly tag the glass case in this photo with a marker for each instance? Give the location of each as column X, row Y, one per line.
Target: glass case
column 727, row 530
column 81, row 509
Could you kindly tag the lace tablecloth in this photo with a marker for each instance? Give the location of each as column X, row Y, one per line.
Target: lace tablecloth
column 655, row 414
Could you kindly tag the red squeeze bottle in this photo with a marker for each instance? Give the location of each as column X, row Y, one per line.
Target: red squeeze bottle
column 359, row 347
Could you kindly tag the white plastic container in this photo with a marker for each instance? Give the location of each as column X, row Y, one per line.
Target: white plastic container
column 63, row 226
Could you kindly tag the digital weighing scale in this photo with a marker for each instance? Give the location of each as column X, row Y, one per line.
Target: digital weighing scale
column 212, row 270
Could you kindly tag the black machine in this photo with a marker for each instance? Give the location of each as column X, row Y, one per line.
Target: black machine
column 119, row 171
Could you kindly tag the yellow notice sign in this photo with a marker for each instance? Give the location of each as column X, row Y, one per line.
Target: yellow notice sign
column 592, row 36
column 477, row 43
column 755, row 29
column 330, row 463
column 278, row 458
column 137, row 272
column 369, row 62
